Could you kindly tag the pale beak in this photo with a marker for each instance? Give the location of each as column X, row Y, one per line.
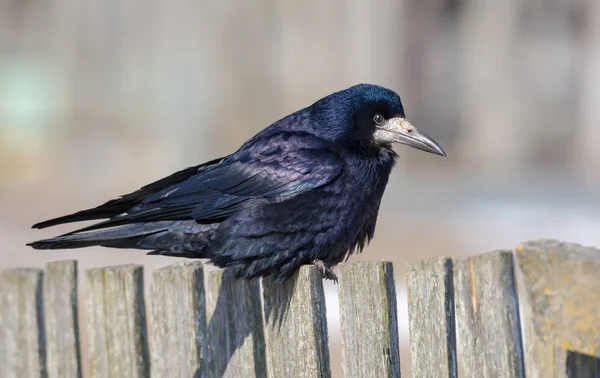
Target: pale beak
column 399, row 130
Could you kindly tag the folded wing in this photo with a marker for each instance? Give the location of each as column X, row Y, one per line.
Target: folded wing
column 214, row 191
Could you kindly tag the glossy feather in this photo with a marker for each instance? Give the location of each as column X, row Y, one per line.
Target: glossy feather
column 307, row 187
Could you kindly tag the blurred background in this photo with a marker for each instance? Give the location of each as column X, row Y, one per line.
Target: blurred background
column 99, row 97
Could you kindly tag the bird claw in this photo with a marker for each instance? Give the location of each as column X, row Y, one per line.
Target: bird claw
column 326, row 271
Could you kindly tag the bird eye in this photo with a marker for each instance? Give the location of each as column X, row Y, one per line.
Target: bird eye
column 378, row 119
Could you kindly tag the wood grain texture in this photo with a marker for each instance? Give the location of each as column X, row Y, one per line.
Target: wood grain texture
column 369, row 320
column 177, row 323
column 296, row 326
column 430, row 289
column 558, row 291
column 62, row 320
column 562, row 285
column 542, row 359
column 116, row 322
column 22, row 339
column 487, row 313
column 236, row 341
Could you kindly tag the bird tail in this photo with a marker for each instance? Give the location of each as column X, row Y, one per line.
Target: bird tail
column 128, row 236
column 170, row 238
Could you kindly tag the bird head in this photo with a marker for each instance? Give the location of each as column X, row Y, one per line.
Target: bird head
column 370, row 114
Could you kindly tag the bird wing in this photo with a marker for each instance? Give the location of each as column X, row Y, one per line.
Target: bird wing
column 261, row 171
column 122, row 204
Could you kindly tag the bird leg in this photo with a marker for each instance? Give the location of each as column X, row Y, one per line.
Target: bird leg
column 326, row 271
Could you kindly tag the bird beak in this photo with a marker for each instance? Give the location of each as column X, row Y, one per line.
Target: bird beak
column 399, row 130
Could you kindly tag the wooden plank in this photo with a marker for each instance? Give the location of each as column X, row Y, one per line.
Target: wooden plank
column 559, row 291
column 487, row 313
column 236, row 341
column 296, row 326
column 562, row 282
column 430, row 290
column 369, row 320
column 178, row 321
column 62, row 322
column 22, row 339
column 542, row 359
column 116, row 322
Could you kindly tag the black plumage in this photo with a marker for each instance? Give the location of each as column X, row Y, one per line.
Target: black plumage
column 306, row 189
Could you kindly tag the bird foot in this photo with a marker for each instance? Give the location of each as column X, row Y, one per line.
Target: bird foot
column 326, row 271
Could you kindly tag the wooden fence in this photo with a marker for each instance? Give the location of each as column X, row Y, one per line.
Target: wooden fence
column 196, row 326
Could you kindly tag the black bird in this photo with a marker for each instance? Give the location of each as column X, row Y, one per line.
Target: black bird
column 304, row 190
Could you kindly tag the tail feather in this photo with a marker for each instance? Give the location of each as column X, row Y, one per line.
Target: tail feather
column 80, row 216
column 120, row 205
column 170, row 238
column 119, row 237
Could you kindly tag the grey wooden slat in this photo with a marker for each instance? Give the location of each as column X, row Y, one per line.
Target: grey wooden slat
column 22, row 339
column 430, row 289
column 116, row 322
column 487, row 314
column 296, row 326
column 562, row 281
column 61, row 319
column 542, row 359
column 560, row 295
column 177, row 323
column 369, row 320
column 236, row 341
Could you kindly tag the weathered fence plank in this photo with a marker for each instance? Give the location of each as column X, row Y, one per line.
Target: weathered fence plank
column 177, row 323
column 296, row 326
column 430, row 289
column 22, row 341
column 62, row 323
column 116, row 327
column 487, row 313
column 369, row 320
column 236, row 342
column 563, row 283
column 542, row 359
column 560, row 296
column 559, row 289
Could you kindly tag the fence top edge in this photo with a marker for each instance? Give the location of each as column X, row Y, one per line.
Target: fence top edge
column 193, row 264
column 484, row 256
column 367, row 263
column 116, row 268
column 60, row 262
column 20, row 271
column 429, row 261
column 559, row 247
